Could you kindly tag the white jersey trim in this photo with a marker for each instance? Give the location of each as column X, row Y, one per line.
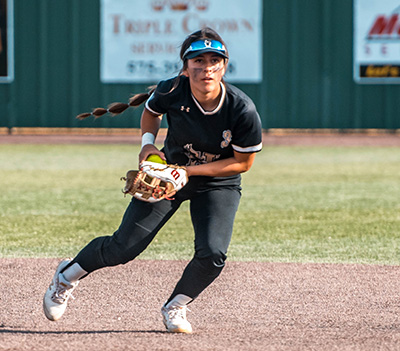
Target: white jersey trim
column 221, row 101
column 148, row 107
column 254, row 148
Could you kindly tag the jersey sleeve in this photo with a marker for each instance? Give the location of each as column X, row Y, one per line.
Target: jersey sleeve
column 158, row 102
column 247, row 133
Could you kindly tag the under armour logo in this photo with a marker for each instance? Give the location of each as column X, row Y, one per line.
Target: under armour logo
column 183, row 108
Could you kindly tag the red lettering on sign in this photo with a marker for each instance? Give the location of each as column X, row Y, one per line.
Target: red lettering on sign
column 384, row 26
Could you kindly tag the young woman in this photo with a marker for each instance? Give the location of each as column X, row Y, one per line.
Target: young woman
column 214, row 131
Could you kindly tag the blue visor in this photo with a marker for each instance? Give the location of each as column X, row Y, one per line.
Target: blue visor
column 201, row 46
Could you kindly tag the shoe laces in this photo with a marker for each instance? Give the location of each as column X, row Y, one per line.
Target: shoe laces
column 176, row 312
column 63, row 292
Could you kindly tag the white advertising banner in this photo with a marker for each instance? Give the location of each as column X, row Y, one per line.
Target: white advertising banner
column 377, row 41
column 140, row 39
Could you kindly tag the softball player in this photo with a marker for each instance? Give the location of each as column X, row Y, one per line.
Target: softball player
column 215, row 131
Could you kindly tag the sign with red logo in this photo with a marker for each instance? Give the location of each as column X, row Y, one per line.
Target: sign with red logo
column 140, row 39
column 377, row 41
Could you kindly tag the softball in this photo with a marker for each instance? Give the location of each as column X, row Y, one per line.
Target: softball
column 156, row 159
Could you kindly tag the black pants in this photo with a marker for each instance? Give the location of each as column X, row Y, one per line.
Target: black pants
column 212, row 212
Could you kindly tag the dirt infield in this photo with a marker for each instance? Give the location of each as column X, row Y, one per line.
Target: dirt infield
column 251, row 306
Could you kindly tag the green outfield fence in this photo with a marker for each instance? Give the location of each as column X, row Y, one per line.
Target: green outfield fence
column 307, row 70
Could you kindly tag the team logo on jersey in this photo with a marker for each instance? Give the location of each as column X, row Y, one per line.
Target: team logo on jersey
column 183, row 108
column 198, row 157
column 227, row 135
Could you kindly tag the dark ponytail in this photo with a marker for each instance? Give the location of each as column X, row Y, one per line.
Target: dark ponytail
column 118, row 107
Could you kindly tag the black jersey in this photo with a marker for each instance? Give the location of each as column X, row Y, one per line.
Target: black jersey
column 196, row 136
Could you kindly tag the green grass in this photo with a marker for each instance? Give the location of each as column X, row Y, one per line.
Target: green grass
column 299, row 204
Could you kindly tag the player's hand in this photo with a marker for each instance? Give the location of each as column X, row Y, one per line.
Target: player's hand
column 148, row 150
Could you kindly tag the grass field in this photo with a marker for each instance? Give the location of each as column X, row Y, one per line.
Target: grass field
column 299, row 204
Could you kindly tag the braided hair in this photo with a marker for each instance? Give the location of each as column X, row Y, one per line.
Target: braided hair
column 118, row 107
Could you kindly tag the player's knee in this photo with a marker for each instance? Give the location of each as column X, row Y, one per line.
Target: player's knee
column 211, row 265
column 114, row 253
column 218, row 259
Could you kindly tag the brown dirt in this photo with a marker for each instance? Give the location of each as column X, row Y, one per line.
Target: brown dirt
column 251, row 306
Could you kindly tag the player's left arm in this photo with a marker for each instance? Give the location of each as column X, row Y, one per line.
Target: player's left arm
column 239, row 163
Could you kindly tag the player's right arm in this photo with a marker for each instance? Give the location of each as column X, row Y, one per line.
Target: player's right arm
column 149, row 123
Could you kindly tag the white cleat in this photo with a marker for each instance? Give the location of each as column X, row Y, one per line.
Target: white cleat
column 174, row 319
column 57, row 295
